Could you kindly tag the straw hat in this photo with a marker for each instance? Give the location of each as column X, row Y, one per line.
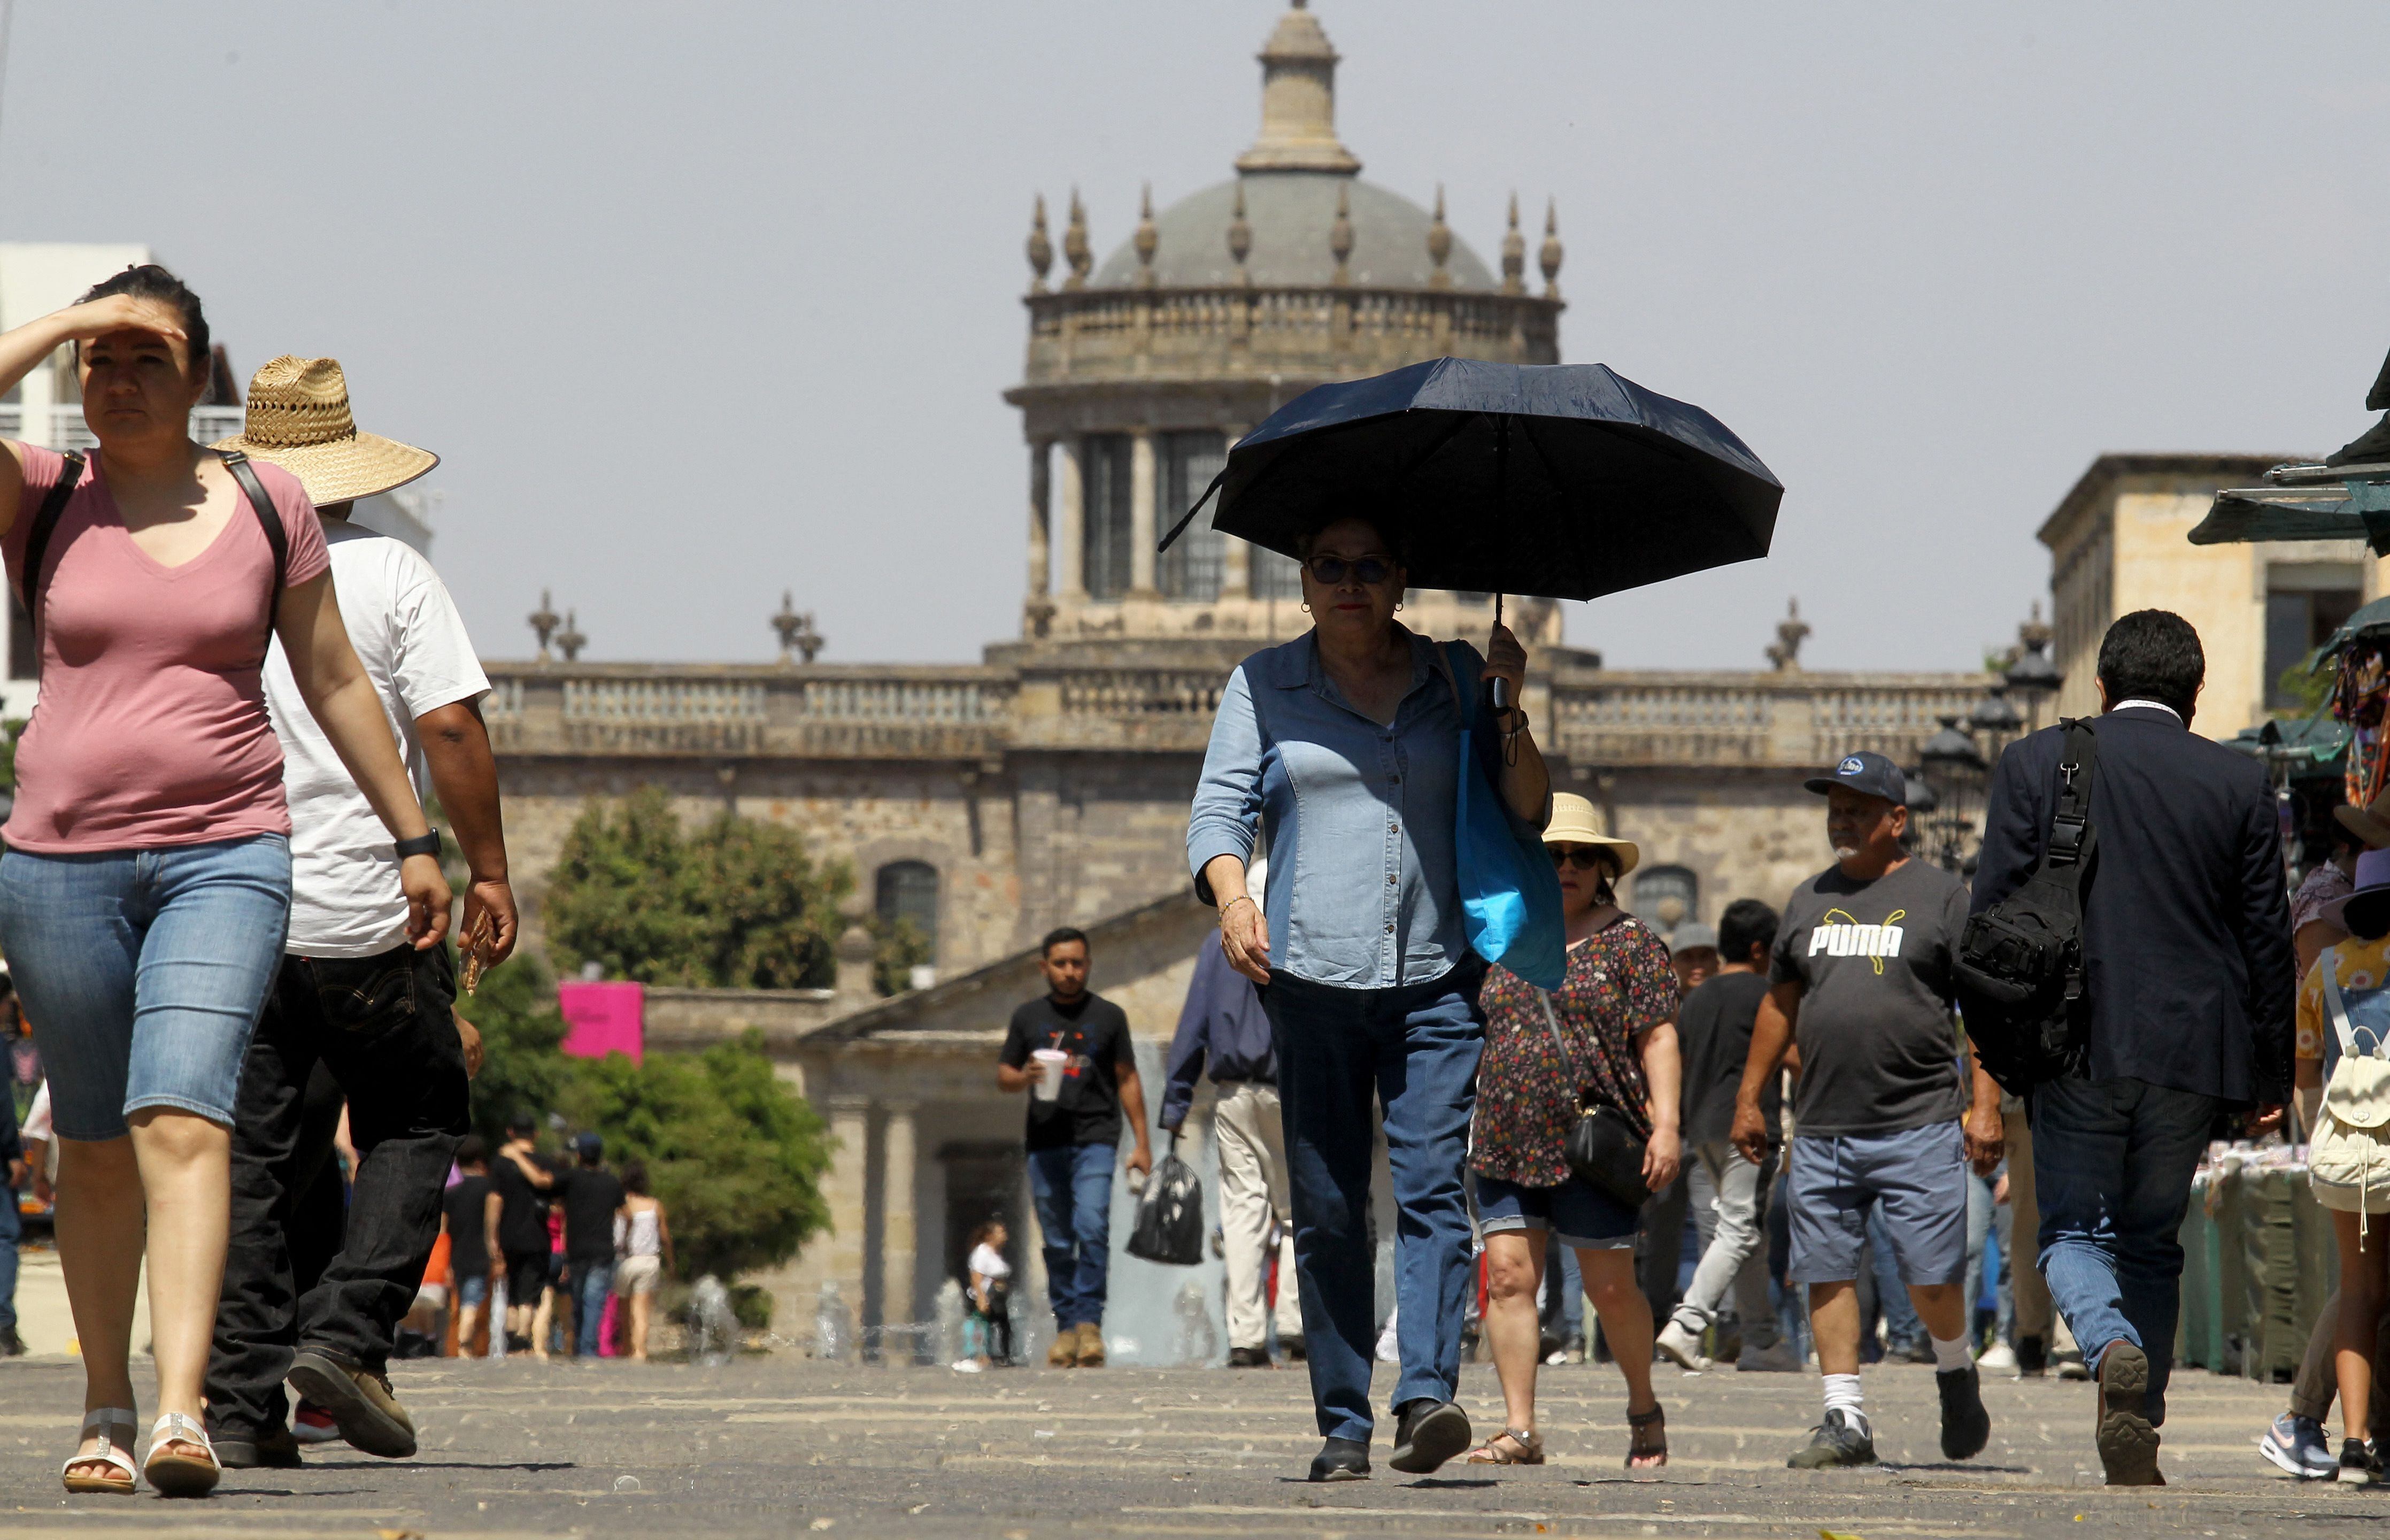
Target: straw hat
column 2369, row 823
column 1573, row 824
column 298, row 419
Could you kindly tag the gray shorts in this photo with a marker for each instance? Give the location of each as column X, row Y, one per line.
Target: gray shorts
column 1918, row 1176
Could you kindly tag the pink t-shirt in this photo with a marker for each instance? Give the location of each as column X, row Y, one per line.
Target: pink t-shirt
column 150, row 728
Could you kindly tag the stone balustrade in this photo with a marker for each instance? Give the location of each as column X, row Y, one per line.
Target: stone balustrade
column 1593, row 717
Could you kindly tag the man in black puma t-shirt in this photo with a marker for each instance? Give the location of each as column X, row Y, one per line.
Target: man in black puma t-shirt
column 1073, row 1136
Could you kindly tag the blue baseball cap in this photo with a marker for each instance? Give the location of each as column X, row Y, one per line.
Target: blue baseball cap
column 1866, row 772
column 590, row 1146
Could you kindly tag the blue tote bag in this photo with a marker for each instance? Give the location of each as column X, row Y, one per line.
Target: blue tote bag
column 1510, row 895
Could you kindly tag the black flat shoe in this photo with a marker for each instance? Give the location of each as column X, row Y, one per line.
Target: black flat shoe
column 1428, row 1433
column 1249, row 1358
column 1341, row 1460
column 273, row 1450
column 1966, row 1426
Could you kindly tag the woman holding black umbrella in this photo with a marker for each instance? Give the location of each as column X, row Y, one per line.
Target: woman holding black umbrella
column 1345, row 743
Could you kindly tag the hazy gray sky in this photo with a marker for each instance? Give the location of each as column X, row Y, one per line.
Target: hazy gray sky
column 703, row 301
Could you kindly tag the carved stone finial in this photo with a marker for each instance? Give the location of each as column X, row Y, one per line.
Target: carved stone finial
column 1514, row 254
column 569, row 641
column 1340, row 236
column 797, row 632
column 1148, row 238
column 1785, row 653
column 1549, row 257
column 1439, row 244
column 1298, row 102
column 1041, row 250
column 1075, row 250
column 2036, row 633
column 543, row 622
column 1240, row 235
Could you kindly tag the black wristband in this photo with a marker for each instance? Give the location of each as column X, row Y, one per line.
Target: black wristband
column 422, row 844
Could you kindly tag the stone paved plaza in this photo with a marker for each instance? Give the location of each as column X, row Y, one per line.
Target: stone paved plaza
column 773, row 1447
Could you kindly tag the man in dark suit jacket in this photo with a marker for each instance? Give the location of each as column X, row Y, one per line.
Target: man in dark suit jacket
column 2187, row 943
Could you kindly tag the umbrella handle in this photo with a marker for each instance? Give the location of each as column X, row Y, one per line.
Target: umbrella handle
column 1499, row 687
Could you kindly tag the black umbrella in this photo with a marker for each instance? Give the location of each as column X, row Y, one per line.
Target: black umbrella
column 1562, row 481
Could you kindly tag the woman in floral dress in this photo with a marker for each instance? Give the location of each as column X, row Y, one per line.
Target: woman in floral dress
column 1617, row 1008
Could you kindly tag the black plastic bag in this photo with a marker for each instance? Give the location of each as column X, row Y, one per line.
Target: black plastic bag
column 1169, row 1216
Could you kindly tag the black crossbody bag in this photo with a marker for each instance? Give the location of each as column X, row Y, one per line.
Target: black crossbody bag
column 1603, row 1148
column 2019, row 975
column 46, row 523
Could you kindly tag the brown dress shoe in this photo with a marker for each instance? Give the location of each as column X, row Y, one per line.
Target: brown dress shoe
column 1064, row 1354
column 1091, row 1346
column 2127, row 1443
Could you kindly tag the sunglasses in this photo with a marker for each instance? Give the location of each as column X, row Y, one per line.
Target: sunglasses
column 1369, row 570
column 1582, row 859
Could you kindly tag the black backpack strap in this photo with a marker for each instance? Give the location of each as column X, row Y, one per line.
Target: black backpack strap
column 2072, row 839
column 270, row 520
column 37, row 539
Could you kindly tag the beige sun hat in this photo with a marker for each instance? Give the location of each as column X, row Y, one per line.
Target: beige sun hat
column 299, row 418
column 1574, row 823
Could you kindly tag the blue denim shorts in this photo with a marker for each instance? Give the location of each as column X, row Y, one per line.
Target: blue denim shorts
column 1586, row 1218
column 473, row 1289
column 142, row 971
column 1918, row 1176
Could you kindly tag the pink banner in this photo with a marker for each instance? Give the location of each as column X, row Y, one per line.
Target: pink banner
column 604, row 1018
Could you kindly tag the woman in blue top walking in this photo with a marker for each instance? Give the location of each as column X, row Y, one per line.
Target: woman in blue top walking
column 1345, row 745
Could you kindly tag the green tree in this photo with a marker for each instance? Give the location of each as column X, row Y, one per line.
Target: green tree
column 735, row 1155
column 737, row 904
column 524, row 1066
column 896, row 946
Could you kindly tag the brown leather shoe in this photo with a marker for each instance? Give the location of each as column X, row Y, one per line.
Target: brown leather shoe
column 1064, row 1352
column 2128, row 1444
column 1091, row 1346
column 359, row 1400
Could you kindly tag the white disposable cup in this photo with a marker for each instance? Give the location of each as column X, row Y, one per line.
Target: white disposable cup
column 1050, row 1063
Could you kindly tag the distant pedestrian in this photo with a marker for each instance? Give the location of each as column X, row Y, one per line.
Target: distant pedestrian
column 1224, row 1023
column 2187, row 973
column 646, row 1255
column 990, row 1293
column 522, row 1181
column 1346, row 742
column 1728, row 1192
column 590, row 1195
column 468, row 1217
column 1693, row 951
column 1607, row 1037
column 1071, row 1050
column 1862, row 972
column 147, row 885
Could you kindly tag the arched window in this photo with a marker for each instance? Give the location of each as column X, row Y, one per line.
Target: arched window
column 908, row 891
column 1666, row 897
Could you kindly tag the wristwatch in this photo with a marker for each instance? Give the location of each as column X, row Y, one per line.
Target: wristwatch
column 422, row 844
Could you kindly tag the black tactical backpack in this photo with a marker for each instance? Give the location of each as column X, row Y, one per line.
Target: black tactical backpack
column 2019, row 972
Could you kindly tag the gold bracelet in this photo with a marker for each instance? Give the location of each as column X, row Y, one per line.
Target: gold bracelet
column 1241, row 898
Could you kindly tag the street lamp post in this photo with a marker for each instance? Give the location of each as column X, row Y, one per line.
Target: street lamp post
column 1954, row 770
column 2031, row 677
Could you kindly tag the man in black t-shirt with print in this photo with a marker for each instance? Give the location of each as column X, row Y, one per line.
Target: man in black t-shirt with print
column 1861, row 970
column 1074, row 1135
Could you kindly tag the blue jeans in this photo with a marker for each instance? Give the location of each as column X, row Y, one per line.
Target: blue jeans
column 142, row 972
column 2112, row 1166
column 1341, row 1052
column 1072, row 1187
column 592, row 1281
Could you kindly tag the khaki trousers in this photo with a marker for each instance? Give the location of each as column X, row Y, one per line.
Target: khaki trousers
column 1252, row 1193
column 2033, row 1315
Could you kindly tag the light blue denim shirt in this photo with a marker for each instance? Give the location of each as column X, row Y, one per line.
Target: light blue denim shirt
column 1361, row 891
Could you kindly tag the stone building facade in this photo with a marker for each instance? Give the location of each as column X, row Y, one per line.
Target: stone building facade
column 1048, row 783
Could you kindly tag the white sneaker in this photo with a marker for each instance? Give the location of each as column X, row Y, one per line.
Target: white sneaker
column 1681, row 1348
column 1999, row 1358
column 1778, row 1357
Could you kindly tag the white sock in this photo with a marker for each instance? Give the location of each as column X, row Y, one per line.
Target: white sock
column 1950, row 1355
column 1842, row 1392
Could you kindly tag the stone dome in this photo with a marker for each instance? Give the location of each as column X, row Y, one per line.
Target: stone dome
column 1292, row 214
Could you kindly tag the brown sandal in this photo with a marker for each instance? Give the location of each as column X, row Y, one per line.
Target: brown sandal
column 1647, row 1448
column 1529, row 1447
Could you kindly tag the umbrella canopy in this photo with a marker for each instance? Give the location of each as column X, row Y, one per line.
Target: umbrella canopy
column 1563, row 481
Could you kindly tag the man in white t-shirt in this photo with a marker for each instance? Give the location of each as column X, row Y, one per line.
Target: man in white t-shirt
column 355, row 995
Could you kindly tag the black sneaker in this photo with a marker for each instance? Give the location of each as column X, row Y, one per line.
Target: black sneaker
column 238, row 1449
column 1966, row 1427
column 1341, row 1460
column 1427, row 1434
column 11, row 1345
column 1249, row 1358
column 2127, row 1442
column 2357, row 1465
column 1840, row 1440
column 2033, row 1357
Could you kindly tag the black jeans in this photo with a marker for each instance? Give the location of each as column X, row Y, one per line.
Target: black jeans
column 383, row 1026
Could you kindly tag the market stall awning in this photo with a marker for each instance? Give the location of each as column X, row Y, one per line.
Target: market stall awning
column 2305, row 502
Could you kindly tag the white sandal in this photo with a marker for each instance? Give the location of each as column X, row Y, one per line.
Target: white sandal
column 107, row 1423
column 181, row 1475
